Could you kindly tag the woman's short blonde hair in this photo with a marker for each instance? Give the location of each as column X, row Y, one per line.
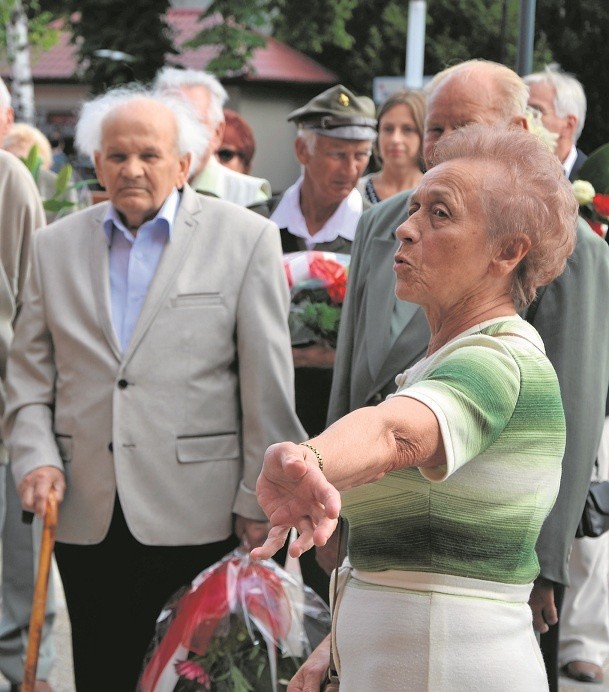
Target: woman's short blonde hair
column 22, row 137
column 530, row 196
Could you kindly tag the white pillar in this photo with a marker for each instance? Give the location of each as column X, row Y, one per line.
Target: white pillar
column 415, row 44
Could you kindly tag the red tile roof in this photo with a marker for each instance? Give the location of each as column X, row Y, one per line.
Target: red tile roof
column 276, row 62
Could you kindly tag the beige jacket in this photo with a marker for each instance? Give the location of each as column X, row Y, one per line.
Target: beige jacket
column 21, row 213
column 178, row 424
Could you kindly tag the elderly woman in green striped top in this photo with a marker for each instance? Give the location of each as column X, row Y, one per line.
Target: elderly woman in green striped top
column 446, row 484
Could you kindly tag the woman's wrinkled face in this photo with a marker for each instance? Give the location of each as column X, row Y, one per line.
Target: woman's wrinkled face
column 445, row 253
column 399, row 141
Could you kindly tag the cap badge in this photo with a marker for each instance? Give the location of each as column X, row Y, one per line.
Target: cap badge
column 343, row 100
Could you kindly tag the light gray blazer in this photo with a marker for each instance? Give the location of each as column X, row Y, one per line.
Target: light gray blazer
column 178, row 424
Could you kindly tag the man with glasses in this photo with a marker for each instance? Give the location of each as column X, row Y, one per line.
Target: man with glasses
column 561, row 100
column 210, row 177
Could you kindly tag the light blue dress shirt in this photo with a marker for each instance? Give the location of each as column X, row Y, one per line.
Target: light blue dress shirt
column 133, row 261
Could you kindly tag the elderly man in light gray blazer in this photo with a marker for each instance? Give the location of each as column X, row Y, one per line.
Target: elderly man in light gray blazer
column 151, row 368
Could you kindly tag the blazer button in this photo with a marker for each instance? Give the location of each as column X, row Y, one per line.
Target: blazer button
column 110, row 447
column 123, row 384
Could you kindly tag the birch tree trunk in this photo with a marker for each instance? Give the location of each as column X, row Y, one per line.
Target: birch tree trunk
column 18, row 49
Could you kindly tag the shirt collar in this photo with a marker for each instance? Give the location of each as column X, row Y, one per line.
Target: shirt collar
column 209, row 179
column 569, row 162
column 165, row 218
column 342, row 223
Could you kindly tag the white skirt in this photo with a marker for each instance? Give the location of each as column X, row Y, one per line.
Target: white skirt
column 419, row 632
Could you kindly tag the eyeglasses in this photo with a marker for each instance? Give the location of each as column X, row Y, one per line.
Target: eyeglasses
column 226, row 155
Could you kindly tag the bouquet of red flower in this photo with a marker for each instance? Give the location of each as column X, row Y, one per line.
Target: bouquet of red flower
column 592, row 189
column 318, row 282
column 241, row 626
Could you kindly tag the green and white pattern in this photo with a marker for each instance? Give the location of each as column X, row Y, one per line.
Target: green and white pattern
column 497, row 400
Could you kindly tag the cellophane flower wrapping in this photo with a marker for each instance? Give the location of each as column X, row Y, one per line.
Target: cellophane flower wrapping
column 242, row 625
column 317, row 281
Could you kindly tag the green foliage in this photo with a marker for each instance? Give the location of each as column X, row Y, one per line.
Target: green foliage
column 138, row 30
column 236, row 34
column 358, row 39
column 324, row 24
column 41, row 34
column 236, row 663
column 320, row 317
column 59, row 203
column 361, row 39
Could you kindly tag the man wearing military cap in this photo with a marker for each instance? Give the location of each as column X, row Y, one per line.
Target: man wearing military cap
column 320, row 211
column 333, row 143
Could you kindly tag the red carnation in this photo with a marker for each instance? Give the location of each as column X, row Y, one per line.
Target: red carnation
column 601, row 205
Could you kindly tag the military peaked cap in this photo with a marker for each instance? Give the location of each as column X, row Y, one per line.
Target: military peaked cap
column 338, row 112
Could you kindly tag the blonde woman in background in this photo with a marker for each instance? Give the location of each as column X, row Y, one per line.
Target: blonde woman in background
column 398, row 147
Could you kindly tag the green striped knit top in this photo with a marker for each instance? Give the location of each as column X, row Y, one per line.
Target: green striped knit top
column 497, row 400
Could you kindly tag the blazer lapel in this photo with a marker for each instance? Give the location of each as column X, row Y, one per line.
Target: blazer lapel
column 172, row 260
column 408, row 348
column 99, row 272
column 379, row 301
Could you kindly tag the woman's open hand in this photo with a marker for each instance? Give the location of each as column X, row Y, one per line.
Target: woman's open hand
column 293, row 491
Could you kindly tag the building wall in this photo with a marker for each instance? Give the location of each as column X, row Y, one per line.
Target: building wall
column 266, row 108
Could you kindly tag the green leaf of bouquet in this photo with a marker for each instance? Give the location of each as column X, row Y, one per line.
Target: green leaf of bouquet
column 32, row 159
column 239, row 682
column 63, row 178
column 56, row 205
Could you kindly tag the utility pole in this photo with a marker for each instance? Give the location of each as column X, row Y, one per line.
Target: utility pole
column 415, row 44
column 526, row 34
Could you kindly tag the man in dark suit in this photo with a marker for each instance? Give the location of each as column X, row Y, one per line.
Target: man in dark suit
column 561, row 100
column 379, row 338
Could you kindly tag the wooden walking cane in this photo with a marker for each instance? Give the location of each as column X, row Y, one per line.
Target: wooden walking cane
column 40, row 594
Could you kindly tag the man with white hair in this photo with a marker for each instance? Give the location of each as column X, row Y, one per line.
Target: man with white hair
column 561, row 100
column 209, row 176
column 320, row 211
column 150, row 370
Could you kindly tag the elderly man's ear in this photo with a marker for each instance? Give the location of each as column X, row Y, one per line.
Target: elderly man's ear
column 508, row 257
column 570, row 126
column 520, row 121
column 302, row 151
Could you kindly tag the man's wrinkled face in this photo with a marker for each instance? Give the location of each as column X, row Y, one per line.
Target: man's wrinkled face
column 139, row 163
column 334, row 166
column 454, row 104
column 542, row 97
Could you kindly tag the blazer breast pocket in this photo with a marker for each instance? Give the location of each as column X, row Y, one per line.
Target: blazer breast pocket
column 197, row 300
